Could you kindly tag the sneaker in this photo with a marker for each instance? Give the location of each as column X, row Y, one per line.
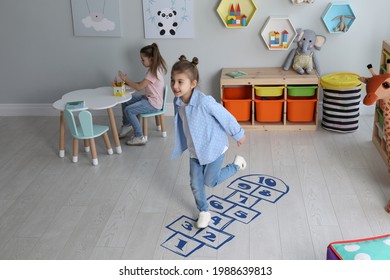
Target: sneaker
column 125, row 130
column 240, row 162
column 137, row 141
column 203, row 219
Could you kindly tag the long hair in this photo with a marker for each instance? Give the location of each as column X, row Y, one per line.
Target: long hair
column 152, row 51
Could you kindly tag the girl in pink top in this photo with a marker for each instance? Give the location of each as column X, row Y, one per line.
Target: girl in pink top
column 149, row 102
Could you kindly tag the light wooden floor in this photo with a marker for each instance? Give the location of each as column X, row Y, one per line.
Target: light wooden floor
column 51, row 208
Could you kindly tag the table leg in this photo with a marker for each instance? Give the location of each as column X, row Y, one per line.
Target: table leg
column 62, row 135
column 114, row 131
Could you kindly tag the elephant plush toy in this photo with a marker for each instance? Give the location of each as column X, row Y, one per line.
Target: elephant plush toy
column 302, row 58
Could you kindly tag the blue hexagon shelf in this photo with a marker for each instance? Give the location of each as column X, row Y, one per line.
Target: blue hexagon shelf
column 338, row 17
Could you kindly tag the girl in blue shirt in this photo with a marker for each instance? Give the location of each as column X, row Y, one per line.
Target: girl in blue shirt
column 201, row 126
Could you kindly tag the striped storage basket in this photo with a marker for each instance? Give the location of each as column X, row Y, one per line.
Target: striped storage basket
column 341, row 102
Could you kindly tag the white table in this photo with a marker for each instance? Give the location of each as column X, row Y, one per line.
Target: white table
column 95, row 99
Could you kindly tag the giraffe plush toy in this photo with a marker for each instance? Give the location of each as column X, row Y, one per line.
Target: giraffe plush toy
column 378, row 88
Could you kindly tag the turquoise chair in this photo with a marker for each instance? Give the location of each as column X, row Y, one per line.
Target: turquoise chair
column 86, row 131
column 159, row 116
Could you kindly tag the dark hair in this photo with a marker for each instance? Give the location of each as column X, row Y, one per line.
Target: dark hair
column 183, row 65
column 152, row 51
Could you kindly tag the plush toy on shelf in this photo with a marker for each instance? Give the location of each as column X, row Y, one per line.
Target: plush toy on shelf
column 302, row 58
column 342, row 25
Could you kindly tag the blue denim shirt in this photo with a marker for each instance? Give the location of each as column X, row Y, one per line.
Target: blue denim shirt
column 209, row 123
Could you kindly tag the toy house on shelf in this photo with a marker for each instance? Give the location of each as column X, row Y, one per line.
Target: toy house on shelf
column 236, row 13
column 278, row 33
column 276, row 41
column 234, row 18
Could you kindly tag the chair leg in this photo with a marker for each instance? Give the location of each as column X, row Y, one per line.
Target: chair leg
column 163, row 128
column 75, row 150
column 86, row 146
column 93, row 152
column 108, row 143
column 158, row 122
column 145, row 127
column 61, row 146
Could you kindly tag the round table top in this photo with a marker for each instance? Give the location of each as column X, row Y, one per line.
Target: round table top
column 95, row 99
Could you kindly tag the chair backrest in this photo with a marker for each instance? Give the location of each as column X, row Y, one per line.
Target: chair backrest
column 70, row 122
column 85, row 118
column 86, row 124
column 165, row 99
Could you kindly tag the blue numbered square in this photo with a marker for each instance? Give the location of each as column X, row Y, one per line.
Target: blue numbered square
column 213, row 238
column 243, row 186
column 267, row 194
column 219, row 221
column 243, row 199
column 184, row 225
column 218, row 204
column 242, row 214
column 181, row 244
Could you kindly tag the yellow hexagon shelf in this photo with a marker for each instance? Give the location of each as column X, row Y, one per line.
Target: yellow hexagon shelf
column 278, row 33
column 236, row 13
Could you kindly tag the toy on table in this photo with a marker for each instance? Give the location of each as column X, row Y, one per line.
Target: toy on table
column 378, row 88
column 118, row 88
column 302, row 58
column 342, row 26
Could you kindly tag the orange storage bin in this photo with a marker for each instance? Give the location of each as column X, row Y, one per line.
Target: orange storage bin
column 300, row 109
column 238, row 101
column 270, row 110
column 237, row 93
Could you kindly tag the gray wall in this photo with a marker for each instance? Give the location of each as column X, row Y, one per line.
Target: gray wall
column 41, row 59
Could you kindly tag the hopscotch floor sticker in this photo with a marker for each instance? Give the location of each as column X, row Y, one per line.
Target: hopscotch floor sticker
column 237, row 206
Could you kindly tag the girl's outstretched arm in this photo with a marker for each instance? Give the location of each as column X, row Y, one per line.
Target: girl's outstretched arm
column 135, row 85
column 241, row 141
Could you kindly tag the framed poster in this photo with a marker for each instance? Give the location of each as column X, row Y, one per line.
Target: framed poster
column 96, row 18
column 168, row 19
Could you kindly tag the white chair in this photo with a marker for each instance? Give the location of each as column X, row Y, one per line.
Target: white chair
column 159, row 117
column 86, row 131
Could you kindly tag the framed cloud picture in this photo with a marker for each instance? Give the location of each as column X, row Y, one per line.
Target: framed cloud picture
column 168, row 19
column 96, row 18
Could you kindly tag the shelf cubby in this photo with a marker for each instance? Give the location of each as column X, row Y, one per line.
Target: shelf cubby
column 243, row 11
column 280, row 25
column 338, row 17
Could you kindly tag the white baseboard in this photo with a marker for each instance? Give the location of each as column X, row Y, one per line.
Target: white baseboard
column 37, row 109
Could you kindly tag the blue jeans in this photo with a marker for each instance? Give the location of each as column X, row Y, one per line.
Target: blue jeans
column 138, row 104
column 208, row 175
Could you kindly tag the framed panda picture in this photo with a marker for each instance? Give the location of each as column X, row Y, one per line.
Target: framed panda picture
column 168, row 19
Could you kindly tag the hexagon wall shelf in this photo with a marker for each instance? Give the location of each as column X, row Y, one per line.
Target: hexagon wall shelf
column 236, row 13
column 278, row 33
column 338, row 17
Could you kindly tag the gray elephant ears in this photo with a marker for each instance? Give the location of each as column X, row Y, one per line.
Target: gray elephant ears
column 299, row 36
column 320, row 41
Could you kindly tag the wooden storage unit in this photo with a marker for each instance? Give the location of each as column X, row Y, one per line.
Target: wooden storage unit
column 276, row 77
column 378, row 137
